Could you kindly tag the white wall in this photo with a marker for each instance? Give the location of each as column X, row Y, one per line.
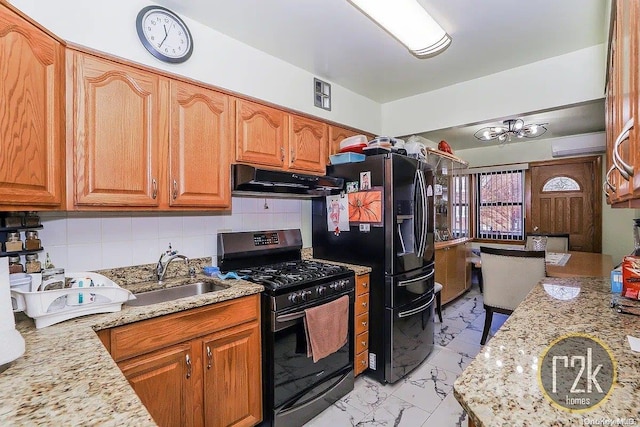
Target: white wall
column 617, row 224
column 217, row 59
column 92, row 241
column 567, row 79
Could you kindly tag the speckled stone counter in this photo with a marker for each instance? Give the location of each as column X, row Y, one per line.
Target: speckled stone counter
column 494, row 392
column 66, row 377
column 307, row 253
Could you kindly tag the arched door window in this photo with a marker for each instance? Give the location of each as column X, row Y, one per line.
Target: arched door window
column 560, row 183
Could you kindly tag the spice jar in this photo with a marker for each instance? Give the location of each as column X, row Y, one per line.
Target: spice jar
column 31, row 219
column 33, row 264
column 32, row 242
column 13, row 220
column 15, row 266
column 13, row 243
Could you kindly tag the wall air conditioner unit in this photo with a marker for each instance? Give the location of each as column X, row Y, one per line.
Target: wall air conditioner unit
column 591, row 143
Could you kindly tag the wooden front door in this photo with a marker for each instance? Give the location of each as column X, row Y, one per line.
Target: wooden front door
column 565, row 198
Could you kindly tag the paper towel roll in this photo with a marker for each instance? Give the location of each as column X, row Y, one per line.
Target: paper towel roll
column 12, row 342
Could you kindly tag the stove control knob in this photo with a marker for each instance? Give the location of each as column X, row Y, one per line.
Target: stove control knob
column 295, row 297
column 304, row 295
column 321, row 290
column 334, row 286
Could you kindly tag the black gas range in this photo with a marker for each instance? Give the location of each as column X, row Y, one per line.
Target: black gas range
column 295, row 389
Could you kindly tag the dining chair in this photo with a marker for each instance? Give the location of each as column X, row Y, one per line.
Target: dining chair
column 508, row 275
column 556, row 242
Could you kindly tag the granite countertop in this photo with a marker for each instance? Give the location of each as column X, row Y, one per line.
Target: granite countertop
column 307, row 253
column 67, row 377
column 500, row 387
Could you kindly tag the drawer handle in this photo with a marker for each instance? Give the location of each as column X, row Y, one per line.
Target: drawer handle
column 175, row 189
column 188, row 366
column 209, row 358
column 364, row 304
column 625, row 170
column 364, row 323
column 365, row 285
column 364, row 343
column 363, row 362
column 154, row 193
column 607, row 184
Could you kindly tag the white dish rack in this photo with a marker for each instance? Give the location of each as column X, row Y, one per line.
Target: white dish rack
column 50, row 307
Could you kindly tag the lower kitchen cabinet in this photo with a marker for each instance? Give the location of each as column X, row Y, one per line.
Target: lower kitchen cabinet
column 361, row 327
column 197, row 367
column 453, row 271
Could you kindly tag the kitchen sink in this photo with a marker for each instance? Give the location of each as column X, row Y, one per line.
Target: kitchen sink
column 175, row 292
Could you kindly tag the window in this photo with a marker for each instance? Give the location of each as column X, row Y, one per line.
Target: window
column 500, row 205
column 561, row 183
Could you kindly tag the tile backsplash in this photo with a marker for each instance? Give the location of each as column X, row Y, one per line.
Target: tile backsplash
column 93, row 241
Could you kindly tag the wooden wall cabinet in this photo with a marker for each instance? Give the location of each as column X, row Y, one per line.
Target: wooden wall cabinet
column 31, row 115
column 623, row 107
column 361, row 327
column 267, row 136
column 140, row 140
column 453, row 271
column 196, row 367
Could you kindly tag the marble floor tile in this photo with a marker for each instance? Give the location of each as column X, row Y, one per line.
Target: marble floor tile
column 448, row 414
column 451, row 360
column 368, row 394
column 395, row 412
column 426, row 387
column 339, row 414
column 462, row 346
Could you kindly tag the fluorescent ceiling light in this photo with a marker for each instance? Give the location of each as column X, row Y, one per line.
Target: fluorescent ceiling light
column 407, row 21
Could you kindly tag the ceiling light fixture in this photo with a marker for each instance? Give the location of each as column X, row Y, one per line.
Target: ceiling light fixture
column 408, row 22
column 511, row 128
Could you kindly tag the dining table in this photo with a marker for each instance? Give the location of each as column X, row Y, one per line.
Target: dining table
column 582, row 264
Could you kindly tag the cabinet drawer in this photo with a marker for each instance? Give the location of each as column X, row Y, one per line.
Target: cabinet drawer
column 362, row 323
column 362, row 284
column 362, row 304
column 362, row 342
column 362, row 363
column 147, row 335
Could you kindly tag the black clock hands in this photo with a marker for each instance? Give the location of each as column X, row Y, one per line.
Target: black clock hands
column 166, row 34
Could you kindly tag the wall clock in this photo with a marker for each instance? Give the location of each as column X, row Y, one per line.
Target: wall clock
column 164, row 34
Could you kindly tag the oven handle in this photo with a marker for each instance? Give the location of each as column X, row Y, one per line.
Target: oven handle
column 416, row 310
column 417, row 279
column 288, row 317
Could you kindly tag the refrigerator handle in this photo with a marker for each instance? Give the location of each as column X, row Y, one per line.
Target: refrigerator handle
column 423, row 211
column 417, row 279
column 417, row 310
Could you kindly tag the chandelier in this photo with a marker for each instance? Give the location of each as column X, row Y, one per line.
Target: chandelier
column 511, row 128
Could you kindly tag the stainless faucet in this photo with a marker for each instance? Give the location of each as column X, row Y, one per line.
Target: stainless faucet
column 165, row 259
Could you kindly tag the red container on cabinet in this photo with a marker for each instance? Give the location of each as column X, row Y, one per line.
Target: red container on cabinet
column 631, row 277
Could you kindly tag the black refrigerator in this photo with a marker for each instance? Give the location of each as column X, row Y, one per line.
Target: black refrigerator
column 396, row 239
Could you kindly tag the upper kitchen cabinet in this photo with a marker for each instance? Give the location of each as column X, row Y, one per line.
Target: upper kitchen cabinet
column 140, row 140
column 623, row 103
column 337, row 134
column 117, row 130
column 271, row 137
column 200, row 146
column 31, row 115
column 261, row 134
column 308, row 141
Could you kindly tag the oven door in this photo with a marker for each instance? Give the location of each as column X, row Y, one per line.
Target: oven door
column 297, row 380
column 412, row 330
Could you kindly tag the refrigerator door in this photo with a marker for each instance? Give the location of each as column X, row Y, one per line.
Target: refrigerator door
column 406, row 288
column 412, row 330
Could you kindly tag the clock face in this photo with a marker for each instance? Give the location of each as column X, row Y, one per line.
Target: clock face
column 164, row 34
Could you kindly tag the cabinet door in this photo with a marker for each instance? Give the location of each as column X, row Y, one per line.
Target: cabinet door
column 232, row 377
column 458, row 270
column 162, row 380
column 261, row 134
column 441, row 273
column 200, row 143
column 31, row 114
column 336, row 135
column 308, row 141
column 119, row 128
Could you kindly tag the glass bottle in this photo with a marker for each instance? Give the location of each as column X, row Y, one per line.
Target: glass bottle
column 32, row 242
column 13, row 243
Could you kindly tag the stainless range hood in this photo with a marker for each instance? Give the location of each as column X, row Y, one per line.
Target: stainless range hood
column 252, row 181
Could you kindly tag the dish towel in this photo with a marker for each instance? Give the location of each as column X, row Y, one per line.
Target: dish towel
column 326, row 327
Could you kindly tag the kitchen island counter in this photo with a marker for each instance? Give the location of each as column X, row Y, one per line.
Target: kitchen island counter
column 501, row 387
